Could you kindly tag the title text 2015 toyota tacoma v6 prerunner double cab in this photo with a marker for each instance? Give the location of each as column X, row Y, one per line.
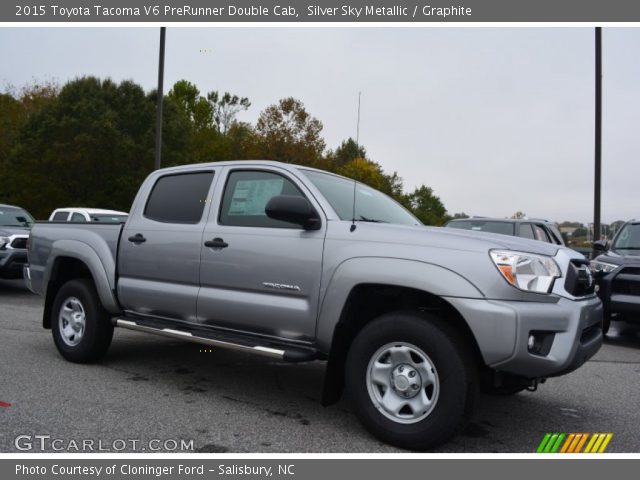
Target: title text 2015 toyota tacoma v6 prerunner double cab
column 275, row 259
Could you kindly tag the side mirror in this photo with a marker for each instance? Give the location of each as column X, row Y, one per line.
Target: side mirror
column 600, row 246
column 293, row 209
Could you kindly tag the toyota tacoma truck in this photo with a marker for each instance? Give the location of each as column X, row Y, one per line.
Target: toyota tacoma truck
column 298, row 264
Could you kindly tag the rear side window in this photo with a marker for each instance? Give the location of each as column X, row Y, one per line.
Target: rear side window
column 78, row 218
column 60, row 216
column 179, row 198
column 246, row 195
column 526, row 231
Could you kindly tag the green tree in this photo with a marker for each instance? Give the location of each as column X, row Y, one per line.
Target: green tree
column 11, row 115
column 427, row 206
column 15, row 109
column 347, row 151
column 518, row 215
column 287, row 132
column 225, row 109
column 367, row 172
column 460, row 215
column 92, row 145
column 580, row 232
column 570, row 224
column 205, row 122
column 197, row 108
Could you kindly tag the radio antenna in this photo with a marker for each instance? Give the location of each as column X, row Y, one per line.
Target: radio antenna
column 355, row 184
column 358, row 124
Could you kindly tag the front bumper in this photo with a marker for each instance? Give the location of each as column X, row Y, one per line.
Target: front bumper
column 502, row 330
column 12, row 262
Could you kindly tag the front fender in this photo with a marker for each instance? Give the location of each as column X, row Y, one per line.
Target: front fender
column 428, row 277
column 100, row 263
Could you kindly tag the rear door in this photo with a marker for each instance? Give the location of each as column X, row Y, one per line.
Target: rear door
column 159, row 254
column 265, row 275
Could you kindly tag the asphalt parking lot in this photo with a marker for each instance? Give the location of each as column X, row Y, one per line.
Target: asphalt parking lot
column 151, row 388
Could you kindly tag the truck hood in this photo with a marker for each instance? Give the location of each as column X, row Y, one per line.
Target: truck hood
column 8, row 231
column 621, row 257
column 439, row 237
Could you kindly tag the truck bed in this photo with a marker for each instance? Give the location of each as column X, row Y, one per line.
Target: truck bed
column 101, row 238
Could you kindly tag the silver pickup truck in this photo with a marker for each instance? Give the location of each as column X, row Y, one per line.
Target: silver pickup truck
column 298, row 264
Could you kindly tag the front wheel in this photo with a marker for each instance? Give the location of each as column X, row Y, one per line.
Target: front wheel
column 412, row 382
column 82, row 330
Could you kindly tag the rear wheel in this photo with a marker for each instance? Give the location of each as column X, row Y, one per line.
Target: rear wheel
column 411, row 380
column 82, row 330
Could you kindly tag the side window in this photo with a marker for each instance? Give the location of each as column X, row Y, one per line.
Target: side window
column 60, row 217
column 246, row 195
column 179, row 198
column 526, row 231
column 554, row 235
column 541, row 234
column 78, row 218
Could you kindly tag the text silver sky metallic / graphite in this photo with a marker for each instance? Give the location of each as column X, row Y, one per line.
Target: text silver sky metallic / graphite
column 392, row 11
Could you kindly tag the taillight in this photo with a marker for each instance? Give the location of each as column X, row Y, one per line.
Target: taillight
column 27, row 246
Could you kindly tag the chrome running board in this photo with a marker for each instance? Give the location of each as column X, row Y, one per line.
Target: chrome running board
column 236, row 342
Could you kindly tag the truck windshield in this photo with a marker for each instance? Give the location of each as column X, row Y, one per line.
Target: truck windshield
column 15, row 217
column 371, row 205
column 504, row 228
column 628, row 238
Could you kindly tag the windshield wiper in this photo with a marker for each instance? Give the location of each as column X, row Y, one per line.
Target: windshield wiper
column 372, row 220
column 626, row 248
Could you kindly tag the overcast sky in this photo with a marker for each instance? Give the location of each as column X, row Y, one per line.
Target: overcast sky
column 495, row 120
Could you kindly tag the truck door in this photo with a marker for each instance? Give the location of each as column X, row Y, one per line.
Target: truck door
column 257, row 274
column 159, row 253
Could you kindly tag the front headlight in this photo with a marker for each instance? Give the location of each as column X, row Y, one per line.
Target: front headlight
column 601, row 267
column 526, row 271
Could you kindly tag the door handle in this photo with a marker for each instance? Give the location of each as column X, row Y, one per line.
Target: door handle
column 137, row 238
column 216, row 243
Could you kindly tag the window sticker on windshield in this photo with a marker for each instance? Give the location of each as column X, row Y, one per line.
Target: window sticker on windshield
column 251, row 196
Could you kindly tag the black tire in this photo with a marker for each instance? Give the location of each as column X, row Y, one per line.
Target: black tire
column 98, row 330
column 456, row 371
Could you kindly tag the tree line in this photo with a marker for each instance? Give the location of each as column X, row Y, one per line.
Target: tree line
column 90, row 143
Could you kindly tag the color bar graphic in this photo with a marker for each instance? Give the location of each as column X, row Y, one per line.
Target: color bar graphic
column 556, row 442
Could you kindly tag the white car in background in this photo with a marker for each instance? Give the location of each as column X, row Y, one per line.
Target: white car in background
column 81, row 215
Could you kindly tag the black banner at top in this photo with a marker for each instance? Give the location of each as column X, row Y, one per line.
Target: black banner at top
column 167, row 11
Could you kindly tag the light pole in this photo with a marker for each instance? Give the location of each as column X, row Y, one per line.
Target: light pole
column 160, row 99
column 598, row 134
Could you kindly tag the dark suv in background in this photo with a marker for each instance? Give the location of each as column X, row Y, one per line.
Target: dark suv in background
column 533, row 229
column 15, row 224
column 617, row 271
